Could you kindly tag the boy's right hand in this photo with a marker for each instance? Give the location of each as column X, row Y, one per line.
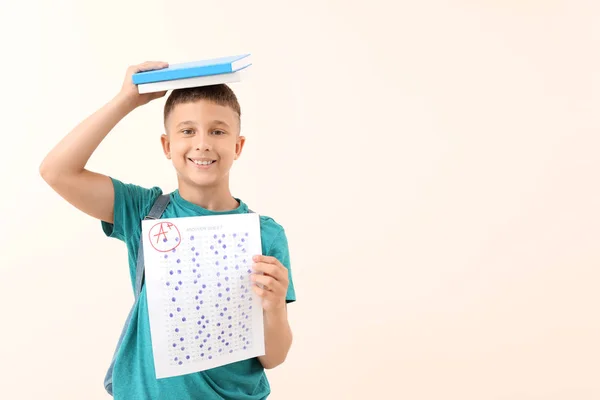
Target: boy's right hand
column 129, row 90
column 64, row 168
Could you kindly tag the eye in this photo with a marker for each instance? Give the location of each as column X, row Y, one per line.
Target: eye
column 218, row 132
column 187, row 131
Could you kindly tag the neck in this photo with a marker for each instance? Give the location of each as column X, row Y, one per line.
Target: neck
column 213, row 198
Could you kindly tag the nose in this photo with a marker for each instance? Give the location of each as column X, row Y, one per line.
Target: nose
column 203, row 142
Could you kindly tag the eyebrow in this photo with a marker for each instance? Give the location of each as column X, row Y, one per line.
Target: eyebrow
column 216, row 122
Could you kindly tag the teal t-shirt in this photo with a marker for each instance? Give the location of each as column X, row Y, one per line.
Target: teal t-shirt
column 133, row 374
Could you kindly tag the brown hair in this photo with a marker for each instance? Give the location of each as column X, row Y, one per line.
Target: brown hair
column 220, row 94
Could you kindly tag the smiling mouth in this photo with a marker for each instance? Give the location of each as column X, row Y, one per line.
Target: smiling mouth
column 203, row 163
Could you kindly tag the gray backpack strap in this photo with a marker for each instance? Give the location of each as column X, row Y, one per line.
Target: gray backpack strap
column 159, row 206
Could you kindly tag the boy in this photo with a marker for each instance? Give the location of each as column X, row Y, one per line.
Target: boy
column 203, row 140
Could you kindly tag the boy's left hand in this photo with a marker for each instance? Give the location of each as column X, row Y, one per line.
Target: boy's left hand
column 274, row 281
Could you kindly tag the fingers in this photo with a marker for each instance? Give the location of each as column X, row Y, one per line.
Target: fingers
column 268, row 283
column 265, row 259
column 158, row 95
column 265, row 294
column 151, row 65
column 278, row 273
column 148, row 66
column 270, row 266
column 272, row 296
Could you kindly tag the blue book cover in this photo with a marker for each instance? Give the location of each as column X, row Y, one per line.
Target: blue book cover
column 214, row 66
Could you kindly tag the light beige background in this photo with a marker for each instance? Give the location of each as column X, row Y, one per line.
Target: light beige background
column 435, row 164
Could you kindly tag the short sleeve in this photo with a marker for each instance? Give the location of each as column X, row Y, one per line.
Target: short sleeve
column 131, row 204
column 280, row 250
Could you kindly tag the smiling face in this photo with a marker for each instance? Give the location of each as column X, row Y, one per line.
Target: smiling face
column 202, row 140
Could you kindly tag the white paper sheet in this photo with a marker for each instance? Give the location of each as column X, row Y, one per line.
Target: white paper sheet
column 202, row 309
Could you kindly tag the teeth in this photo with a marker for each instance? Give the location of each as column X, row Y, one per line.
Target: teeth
column 202, row 162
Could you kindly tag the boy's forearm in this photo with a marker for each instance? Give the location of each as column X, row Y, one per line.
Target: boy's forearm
column 72, row 153
column 278, row 338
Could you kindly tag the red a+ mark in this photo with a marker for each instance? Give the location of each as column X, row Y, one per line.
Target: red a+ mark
column 162, row 232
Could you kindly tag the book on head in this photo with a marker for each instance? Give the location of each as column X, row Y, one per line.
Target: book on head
column 192, row 74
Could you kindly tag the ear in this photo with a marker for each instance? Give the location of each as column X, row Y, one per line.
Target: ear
column 166, row 145
column 239, row 145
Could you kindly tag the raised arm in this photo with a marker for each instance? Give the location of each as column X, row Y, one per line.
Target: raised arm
column 64, row 167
